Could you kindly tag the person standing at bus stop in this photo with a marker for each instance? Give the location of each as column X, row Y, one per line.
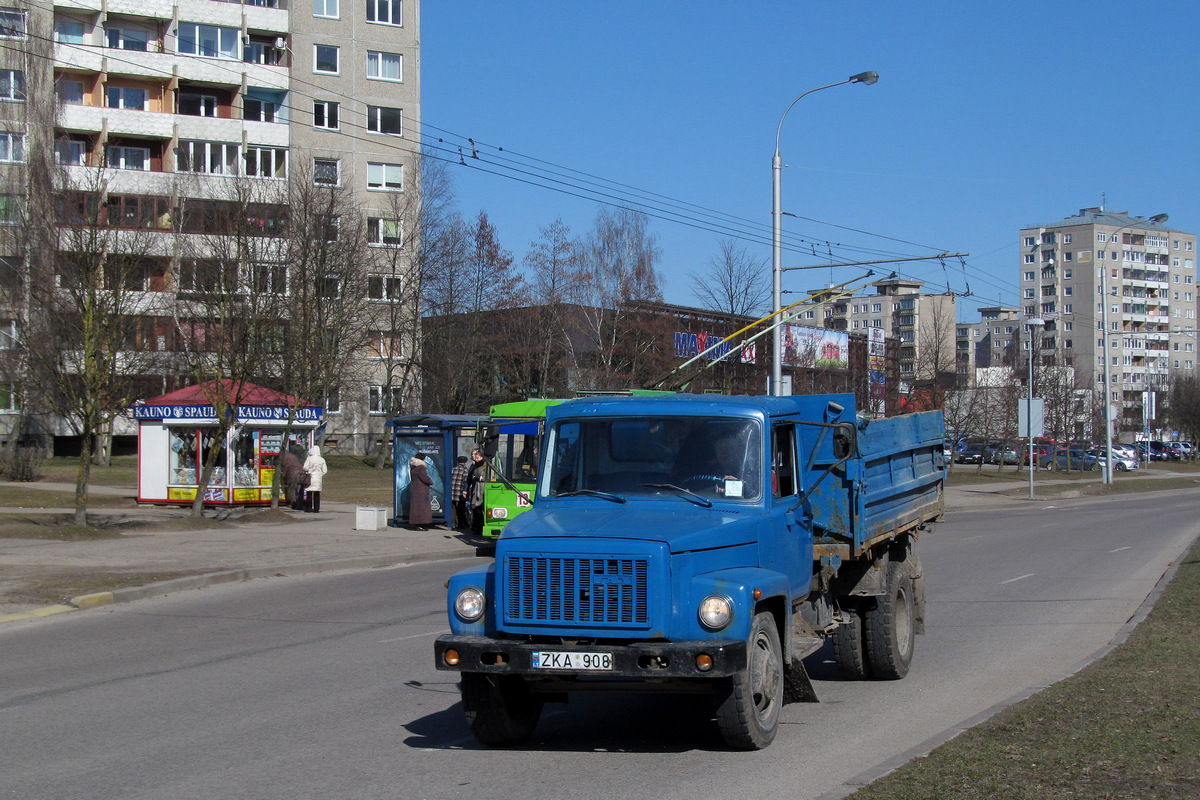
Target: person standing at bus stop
column 476, row 483
column 458, row 494
column 420, row 512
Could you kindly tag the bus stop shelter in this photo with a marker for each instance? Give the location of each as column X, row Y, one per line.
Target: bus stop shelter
column 442, row 438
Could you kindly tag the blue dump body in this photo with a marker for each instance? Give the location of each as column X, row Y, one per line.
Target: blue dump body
column 700, row 543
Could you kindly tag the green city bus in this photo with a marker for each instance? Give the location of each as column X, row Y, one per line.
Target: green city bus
column 519, row 425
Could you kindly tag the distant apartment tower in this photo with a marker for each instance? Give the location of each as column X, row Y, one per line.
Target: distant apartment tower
column 923, row 324
column 1149, row 270
column 987, row 343
column 173, row 100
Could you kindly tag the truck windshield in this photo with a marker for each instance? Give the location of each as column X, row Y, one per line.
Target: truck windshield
column 718, row 458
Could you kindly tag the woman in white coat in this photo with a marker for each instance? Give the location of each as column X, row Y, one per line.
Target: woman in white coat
column 316, row 468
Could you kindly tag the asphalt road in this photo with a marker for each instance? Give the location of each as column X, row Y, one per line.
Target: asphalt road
column 324, row 687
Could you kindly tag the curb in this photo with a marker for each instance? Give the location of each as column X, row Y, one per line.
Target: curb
column 98, row 599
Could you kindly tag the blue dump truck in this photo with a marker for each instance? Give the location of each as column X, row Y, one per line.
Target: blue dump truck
column 698, row 543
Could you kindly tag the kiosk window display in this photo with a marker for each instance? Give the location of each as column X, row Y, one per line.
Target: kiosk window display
column 176, row 432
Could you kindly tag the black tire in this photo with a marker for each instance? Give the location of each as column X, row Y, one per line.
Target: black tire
column 1121, row 467
column 500, row 708
column 889, row 625
column 748, row 704
column 849, row 646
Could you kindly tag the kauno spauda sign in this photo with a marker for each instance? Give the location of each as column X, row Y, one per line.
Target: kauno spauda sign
column 244, row 413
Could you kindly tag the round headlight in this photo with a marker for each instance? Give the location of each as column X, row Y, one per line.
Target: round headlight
column 469, row 604
column 716, row 612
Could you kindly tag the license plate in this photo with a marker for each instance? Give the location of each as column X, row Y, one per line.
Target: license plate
column 556, row 659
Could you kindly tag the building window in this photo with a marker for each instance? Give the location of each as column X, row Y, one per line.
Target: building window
column 70, row 152
column 266, row 162
column 69, row 92
column 1068, row 291
column 8, row 334
column 1029, row 293
column 127, row 97
column 385, row 120
column 12, row 148
column 1029, row 259
column 12, row 85
column 262, row 105
column 12, row 23
column 385, row 177
column 208, row 40
column 383, row 66
column 9, row 398
column 1030, row 241
column 325, row 59
column 270, row 278
column 333, row 402
column 68, row 31
column 1029, row 276
column 385, row 232
column 385, row 287
column 325, row 115
column 127, row 38
column 325, row 8
column 375, row 396
column 197, row 105
column 120, row 157
column 1068, row 308
column 1100, row 255
column 325, row 171
column 385, row 12
column 1068, row 256
column 386, row 345
column 211, row 158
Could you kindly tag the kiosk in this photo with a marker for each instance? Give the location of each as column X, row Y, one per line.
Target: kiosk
column 176, row 429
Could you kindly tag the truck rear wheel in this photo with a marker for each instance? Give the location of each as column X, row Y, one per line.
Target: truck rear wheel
column 500, row 708
column 748, row 703
column 849, row 646
column 890, row 627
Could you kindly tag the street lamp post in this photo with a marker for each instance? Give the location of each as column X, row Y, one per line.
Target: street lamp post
column 866, row 78
column 1033, row 322
column 1108, row 423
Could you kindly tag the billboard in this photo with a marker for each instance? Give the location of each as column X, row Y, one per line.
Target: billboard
column 815, row 347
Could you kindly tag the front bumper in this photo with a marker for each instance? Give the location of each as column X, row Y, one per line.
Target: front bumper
column 643, row 661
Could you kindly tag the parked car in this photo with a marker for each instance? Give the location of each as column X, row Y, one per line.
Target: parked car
column 1151, row 451
column 1043, row 452
column 1069, row 458
column 1175, row 451
column 1125, row 450
column 971, row 454
column 1122, row 461
column 1001, row 454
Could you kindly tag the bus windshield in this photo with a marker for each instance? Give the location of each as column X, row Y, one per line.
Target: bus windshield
column 709, row 457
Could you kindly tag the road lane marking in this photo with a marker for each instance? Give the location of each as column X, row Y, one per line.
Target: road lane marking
column 406, row 638
column 1014, row 580
column 1119, row 549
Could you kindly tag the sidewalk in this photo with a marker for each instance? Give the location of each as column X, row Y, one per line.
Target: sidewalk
column 241, row 549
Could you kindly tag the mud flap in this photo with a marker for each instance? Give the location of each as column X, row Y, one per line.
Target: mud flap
column 797, row 688
column 918, row 581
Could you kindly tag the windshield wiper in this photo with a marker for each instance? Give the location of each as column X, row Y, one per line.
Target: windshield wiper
column 594, row 493
column 688, row 493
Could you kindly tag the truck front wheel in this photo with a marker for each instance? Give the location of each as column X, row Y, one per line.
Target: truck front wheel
column 748, row 703
column 500, row 708
column 890, row 626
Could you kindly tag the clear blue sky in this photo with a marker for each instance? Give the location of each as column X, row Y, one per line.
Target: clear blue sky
column 987, row 117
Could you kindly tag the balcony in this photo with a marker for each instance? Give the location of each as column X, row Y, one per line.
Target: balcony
column 214, row 129
column 118, row 121
column 228, row 72
column 158, row 9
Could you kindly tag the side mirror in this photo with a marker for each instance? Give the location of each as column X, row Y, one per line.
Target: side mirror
column 845, row 440
column 489, row 442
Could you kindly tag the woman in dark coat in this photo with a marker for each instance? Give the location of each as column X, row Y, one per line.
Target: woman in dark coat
column 420, row 513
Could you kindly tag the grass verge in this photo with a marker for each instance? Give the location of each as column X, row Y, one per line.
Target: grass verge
column 1126, row 726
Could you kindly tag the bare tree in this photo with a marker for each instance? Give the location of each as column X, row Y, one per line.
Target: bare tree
column 620, row 269
column 735, row 282
column 554, row 266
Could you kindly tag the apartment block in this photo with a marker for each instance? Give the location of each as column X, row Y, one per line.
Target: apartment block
column 154, row 108
column 922, row 323
column 987, row 343
column 1109, row 278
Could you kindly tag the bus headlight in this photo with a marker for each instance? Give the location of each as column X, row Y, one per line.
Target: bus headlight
column 469, row 604
column 498, row 513
column 715, row 612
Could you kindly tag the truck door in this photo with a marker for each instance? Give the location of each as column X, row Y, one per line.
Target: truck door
column 791, row 526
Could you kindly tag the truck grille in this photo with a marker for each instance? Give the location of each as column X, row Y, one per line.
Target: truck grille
column 607, row 591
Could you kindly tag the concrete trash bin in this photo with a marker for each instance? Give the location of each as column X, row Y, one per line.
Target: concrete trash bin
column 370, row 518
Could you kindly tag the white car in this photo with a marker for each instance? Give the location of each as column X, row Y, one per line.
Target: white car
column 1122, row 462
